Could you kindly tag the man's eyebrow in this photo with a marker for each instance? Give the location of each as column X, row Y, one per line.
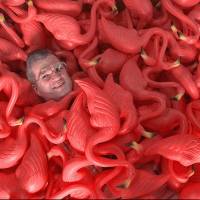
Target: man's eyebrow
column 42, row 71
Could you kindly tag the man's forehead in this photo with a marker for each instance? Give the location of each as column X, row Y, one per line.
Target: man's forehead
column 41, row 64
column 43, row 69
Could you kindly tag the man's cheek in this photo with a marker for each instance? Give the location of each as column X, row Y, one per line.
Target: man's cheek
column 45, row 89
column 69, row 82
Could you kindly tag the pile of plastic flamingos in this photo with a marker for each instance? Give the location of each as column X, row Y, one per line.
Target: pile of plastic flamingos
column 131, row 126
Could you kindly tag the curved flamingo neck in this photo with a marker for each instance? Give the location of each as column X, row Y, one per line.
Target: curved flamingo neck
column 91, row 32
column 177, row 12
column 30, row 15
column 14, row 96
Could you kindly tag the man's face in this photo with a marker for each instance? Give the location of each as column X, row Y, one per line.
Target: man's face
column 52, row 80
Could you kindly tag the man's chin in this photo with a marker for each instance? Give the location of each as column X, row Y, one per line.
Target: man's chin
column 61, row 93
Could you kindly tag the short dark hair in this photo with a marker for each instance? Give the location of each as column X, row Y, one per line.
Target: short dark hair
column 32, row 57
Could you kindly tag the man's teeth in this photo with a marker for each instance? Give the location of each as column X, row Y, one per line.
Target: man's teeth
column 58, row 84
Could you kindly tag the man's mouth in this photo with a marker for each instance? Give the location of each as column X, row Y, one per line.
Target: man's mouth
column 58, row 84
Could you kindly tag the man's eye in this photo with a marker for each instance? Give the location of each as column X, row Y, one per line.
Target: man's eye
column 45, row 76
column 59, row 68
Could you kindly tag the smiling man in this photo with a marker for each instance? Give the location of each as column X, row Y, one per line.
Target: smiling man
column 48, row 75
